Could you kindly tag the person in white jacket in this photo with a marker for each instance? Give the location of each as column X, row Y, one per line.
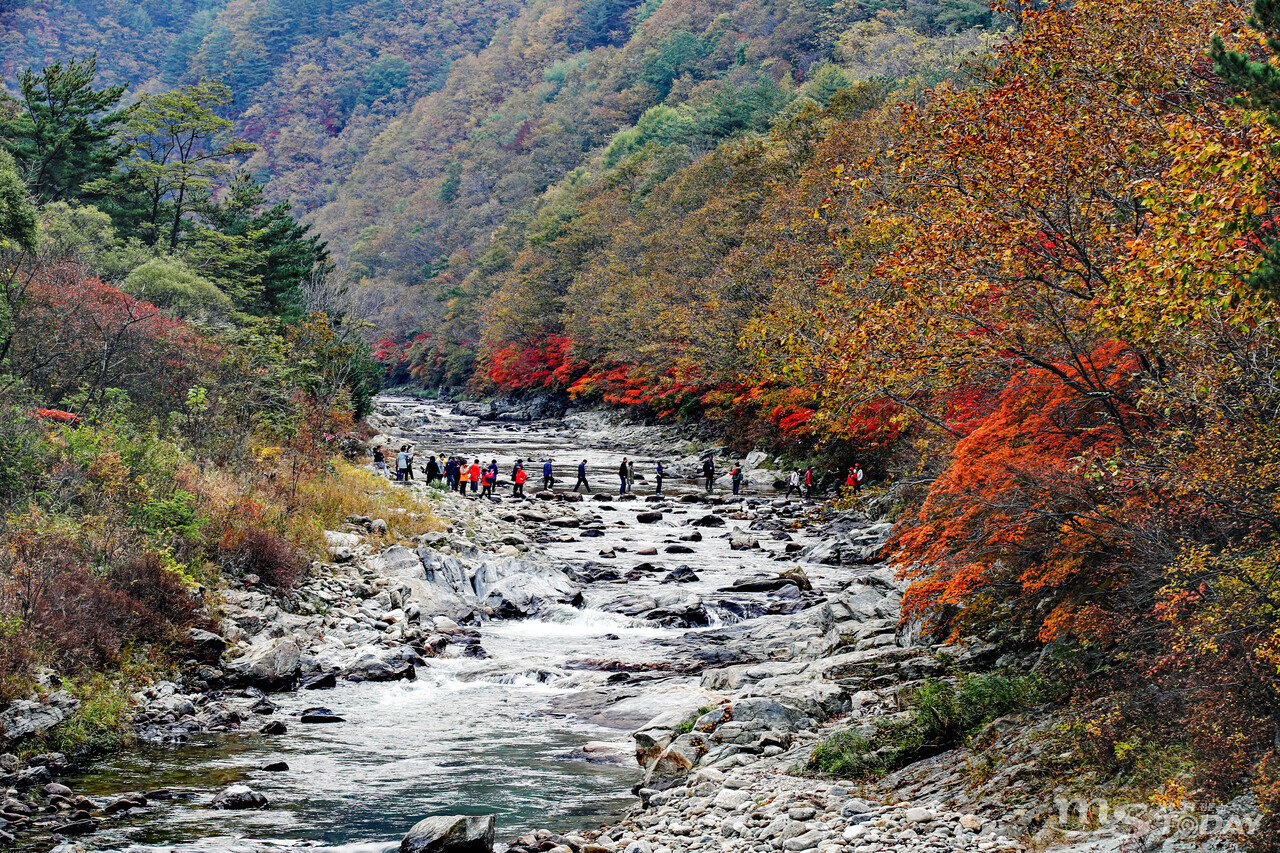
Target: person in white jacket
column 793, row 483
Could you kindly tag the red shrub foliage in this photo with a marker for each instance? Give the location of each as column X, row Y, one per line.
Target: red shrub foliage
column 57, row 600
column 75, row 331
column 273, row 559
column 521, row 368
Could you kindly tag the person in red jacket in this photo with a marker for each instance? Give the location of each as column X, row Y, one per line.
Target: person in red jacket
column 475, row 476
column 517, row 491
column 487, row 479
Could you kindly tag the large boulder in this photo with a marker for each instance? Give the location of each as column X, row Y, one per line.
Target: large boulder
column 375, row 664
column 450, row 834
column 515, row 588
column 773, row 714
column 269, row 665
column 24, row 717
column 676, row 760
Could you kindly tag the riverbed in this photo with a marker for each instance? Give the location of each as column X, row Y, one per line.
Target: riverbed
column 503, row 735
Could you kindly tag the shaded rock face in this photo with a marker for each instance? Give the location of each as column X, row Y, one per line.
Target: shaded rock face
column 207, row 645
column 450, row 834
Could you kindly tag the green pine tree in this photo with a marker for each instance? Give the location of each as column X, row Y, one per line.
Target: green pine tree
column 62, row 132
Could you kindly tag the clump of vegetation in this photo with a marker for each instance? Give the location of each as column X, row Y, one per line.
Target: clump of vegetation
column 687, row 725
column 944, row 715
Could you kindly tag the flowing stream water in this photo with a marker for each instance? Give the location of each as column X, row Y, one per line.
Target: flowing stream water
column 468, row 736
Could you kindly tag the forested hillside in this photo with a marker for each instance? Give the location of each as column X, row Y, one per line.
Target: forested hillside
column 432, row 143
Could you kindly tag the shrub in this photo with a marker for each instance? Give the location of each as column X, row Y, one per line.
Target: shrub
column 163, row 598
column 944, row 715
column 273, row 559
column 103, row 720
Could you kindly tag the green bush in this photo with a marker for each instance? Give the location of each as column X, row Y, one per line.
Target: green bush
column 944, row 715
column 102, row 722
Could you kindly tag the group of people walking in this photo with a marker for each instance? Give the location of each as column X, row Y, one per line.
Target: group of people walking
column 457, row 475
column 814, row 480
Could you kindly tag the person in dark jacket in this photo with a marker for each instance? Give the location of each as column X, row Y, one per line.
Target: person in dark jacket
column 582, row 477
column 433, row 470
column 623, row 471
column 659, row 471
column 548, row 477
column 709, row 472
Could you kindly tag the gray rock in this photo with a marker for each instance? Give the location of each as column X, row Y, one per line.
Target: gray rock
column 380, row 665
column 208, row 644
column 239, row 797
column 270, row 665
column 450, row 834
column 773, row 714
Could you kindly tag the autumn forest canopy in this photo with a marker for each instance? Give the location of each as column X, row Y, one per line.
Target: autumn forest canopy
column 1022, row 263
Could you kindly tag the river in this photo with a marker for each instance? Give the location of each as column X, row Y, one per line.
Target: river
column 469, row 735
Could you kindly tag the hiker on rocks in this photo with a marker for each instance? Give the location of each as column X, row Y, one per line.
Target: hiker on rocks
column 735, row 476
column 631, row 476
column 475, row 475
column 623, row 470
column 488, row 478
column 857, row 478
column 493, row 469
column 518, row 477
column 464, row 477
column 582, row 477
column 433, row 470
column 408, row 469
column 659, row 471
column 519, row 464
column 832, row 479
column 548, row 478
column 709, row 472
column 402, row 461
column 793, row 482
column 808, row 482
column 379, row 461
column 851, row 481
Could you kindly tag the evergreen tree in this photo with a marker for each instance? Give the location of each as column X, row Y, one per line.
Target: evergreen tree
column 179, row 146
column 257, row 253
column 17, row 216
column 62, row 133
